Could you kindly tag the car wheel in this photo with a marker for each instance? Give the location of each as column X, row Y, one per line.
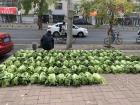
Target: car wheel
column 55, row 34
column 80, row 34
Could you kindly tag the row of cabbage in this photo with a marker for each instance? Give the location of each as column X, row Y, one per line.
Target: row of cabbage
column 69, row 68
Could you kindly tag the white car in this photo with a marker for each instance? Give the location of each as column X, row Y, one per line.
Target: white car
column 76, row 31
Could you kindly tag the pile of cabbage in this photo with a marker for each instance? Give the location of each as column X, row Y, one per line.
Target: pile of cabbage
column 64, row 68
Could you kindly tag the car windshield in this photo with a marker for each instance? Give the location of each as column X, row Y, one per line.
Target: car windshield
column 58, row 24
column 74, row 26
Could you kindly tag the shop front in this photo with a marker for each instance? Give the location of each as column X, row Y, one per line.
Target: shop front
column 8, row 14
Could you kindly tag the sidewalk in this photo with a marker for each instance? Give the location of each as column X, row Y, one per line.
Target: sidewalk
column 99, row 46
column 127, row 48
column 121, row 89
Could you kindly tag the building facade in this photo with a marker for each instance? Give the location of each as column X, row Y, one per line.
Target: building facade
column 8, row 10
column 57, row 12
column 8, row 3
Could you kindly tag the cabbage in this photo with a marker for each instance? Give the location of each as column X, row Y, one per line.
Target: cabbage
column 68, row 79
column 6, row 79
column 51, row 70
column 83, row 78
column 51, row 80
column 75, row 80
column 22, row 69
column 89, row 77
column 137, row 66
column 2, row 67
column 15, row 81
column 25, row 78
column 39, row 58
column 61, row 79
column 97, row 78
column 8, row 62
column 11, row 69
column 42, row 77
column 70, row 67
column 38, row 63
column 34, row 78
column 38, row 69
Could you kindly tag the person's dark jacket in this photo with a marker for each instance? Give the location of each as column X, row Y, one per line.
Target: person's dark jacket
column 47, row 42
column 60, row 27
column 138, row 32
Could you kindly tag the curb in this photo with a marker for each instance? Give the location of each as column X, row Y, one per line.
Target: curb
column 128, row 48
column 133, row 50
column 99, row 46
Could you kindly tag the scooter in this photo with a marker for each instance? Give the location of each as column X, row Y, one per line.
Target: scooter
column 138, row 37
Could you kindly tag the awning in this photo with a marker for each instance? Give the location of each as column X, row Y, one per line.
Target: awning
column 94, row 13
column 8, row 10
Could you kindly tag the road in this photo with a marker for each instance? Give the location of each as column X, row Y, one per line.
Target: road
column 23, row 38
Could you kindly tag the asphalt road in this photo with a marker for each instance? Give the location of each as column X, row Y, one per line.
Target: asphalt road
column 23, row 38
column 27, row 36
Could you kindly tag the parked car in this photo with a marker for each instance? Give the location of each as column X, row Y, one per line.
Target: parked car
column 81, row 22
column 6, row 45
column 76, row 31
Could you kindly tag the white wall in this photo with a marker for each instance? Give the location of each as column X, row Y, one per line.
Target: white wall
column 63, row 11
column 60, row 12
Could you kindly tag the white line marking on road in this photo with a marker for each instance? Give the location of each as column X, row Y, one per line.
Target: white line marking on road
column 25, row 39
column 22, row 44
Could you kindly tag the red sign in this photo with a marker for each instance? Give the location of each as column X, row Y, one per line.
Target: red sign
column 94, row 13
column 8, row 10
column 7, row 0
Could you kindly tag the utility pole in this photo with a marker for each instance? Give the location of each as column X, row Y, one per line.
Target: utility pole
column 69, row 24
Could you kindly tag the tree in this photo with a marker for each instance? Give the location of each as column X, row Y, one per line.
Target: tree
column 86, row 7
column 40, row 7
column 76, row 9
column 111, row 10
column 108, row 9
column 19, row 6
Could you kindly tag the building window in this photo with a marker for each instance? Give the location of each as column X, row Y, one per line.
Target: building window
column 58, row 18
column 58, row 6
column 8, row 3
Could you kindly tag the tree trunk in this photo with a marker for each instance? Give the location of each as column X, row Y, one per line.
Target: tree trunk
column 110, row 35
column 69, row 32
column 39, row 23
column 111, row 21
column 70, row 24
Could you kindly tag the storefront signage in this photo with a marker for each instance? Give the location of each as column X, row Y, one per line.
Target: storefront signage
column 8, row 10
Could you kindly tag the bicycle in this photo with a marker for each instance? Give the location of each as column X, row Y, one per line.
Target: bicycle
column 109, row 40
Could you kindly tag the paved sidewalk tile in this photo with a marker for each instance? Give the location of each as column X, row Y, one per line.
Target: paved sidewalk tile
column 122, row 89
